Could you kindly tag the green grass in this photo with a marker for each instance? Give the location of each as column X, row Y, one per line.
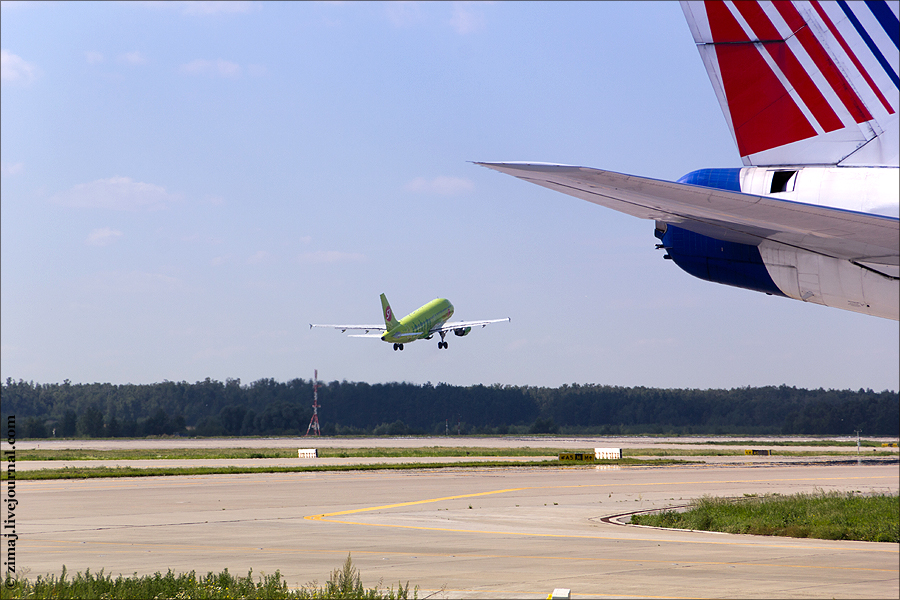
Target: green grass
column 344, row 582
column 424, row 452
column 821, row 515
column 436, row 452
column 244, row 453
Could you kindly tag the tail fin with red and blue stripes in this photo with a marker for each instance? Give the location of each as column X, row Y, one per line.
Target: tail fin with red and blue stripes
column 804, row 83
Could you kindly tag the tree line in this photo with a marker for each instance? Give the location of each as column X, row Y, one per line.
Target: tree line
column 269, row 407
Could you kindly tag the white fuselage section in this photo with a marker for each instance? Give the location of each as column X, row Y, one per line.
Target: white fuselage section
column 866, row 286
column 862, row 189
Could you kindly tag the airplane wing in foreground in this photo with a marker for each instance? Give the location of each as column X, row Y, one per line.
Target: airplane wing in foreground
column 809, row 92
column 732, row 216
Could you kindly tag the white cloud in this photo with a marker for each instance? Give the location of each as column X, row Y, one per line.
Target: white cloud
column 116, row 193
column 103, row 237
column 93, row 57
column 465, row 18
column 213, row 7
column 133, row 58
column 329, row 257
column 443, row 185
column 15, row 69
column 8, row 169
column 404, row 14
column 222, row 68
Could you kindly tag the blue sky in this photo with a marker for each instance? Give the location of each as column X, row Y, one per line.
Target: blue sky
column 186, row 186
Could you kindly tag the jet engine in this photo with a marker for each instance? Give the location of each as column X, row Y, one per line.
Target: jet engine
column 461, row 331
column 731, row 263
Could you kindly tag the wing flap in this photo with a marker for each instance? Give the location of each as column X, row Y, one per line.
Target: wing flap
column 733, row 216
column 463, row 324
column 344, row 328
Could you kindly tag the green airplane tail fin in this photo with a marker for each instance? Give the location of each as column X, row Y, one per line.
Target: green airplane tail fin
column 390, row 321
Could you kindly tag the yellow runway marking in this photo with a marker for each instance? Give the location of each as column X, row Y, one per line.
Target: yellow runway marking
column 414, row 502
column 325, row 517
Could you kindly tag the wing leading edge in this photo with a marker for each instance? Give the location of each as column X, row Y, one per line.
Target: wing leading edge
column 732, row 216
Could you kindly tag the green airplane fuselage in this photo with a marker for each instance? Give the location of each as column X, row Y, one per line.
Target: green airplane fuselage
column 417, row 324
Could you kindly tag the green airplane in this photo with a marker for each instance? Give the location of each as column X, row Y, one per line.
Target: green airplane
column 421, row 323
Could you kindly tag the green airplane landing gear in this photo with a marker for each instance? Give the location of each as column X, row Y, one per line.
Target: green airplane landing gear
column 398, row 346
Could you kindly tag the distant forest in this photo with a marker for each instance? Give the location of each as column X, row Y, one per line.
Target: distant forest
column 269, row 407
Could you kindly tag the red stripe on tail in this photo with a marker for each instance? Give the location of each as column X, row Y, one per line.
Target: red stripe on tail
column 829, row 70
column 763, row 114
column 786, row 60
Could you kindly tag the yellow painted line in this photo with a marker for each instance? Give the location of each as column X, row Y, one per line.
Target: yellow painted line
column 321, row 517
column 324, row 517
column 412, row 503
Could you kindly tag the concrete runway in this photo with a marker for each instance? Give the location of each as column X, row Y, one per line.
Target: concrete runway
column 457, row 533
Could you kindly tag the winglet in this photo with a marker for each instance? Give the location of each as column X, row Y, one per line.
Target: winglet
column 389, row 320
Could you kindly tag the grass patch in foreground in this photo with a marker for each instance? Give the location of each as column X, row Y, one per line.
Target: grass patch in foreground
column 344, row 582
column 821, row 515
column 99, row 472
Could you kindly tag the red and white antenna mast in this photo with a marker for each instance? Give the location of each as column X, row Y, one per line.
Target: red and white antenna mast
column 314, row 421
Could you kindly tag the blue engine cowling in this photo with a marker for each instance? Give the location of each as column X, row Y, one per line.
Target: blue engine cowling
column 715, row 260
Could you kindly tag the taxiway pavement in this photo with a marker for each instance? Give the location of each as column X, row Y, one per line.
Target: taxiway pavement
column 513, row 532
